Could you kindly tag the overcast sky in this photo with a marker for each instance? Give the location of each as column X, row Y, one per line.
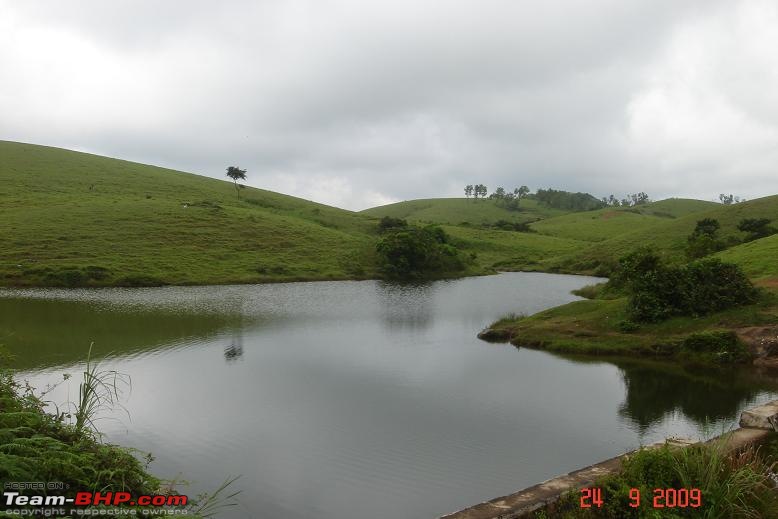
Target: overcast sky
column 357, row 103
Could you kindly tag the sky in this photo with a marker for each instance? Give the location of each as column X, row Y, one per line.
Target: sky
column 358, row 103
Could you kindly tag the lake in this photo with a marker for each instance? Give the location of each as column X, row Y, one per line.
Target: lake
column 356, row 399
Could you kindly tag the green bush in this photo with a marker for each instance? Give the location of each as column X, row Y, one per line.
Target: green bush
column 418, row 253
column 710, row 285
column 628, row 326
column 756, row 228
column 704, row 239
column 719, row 346
column 657, row 291
column 505, row 225
column 703, row 245
column 388, row 223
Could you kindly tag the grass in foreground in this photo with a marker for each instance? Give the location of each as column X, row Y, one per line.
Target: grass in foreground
column 729, row 485
column 37, row 446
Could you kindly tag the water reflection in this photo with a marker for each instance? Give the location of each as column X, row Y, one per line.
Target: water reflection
column 43, row 332
column 406, row 305
column 234, row 351
column 342, row 400
column 705, row 395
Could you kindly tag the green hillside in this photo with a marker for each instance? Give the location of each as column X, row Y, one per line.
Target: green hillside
column 602, row 224
column 458, row 211
column 505, row 250
column 674, row 207
column 668, row 236
column 71, row 219
column 75, row 218
column 759, row 259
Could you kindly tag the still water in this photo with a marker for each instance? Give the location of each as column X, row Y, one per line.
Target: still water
column 340, row 400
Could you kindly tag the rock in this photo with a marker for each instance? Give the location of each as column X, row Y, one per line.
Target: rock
column 762, row 343
column 762, row 417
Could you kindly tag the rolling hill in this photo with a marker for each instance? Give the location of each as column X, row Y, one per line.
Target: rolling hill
column 759, row 258
column 603, row 224
column 75, row 219
column 668, row 236
column 461, row 211
column 70, row 218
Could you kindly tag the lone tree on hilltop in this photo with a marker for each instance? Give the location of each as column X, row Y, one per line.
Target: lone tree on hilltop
column 235, row 173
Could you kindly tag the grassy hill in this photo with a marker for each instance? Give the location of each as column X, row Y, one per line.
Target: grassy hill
column 505, row 250
column 559, row 234
column 603, row 224
column 75, row 218
column 668, row 236
column 759, row 259
column 459, row 211
column 70, row 218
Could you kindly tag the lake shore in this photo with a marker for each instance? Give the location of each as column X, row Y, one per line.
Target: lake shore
column 600, row 327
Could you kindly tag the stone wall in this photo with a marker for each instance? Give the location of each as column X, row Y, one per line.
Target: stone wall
column 755, row 425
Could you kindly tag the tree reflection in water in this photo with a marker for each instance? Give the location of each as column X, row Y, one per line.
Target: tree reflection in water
column 234, row 351
column 702, row 394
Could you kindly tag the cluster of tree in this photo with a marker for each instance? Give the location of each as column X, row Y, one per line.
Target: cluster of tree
column 567, row 200
column 412, row 253
column 730, row 199
column 628, row 201
column 756, row 228
column 509, row 199
column 478, row 190
column 658, row 291
column 704, row 240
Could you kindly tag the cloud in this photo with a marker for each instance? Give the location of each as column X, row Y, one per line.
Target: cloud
column 358, row 103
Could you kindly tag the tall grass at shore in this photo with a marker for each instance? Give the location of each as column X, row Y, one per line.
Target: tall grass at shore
column 739, row 484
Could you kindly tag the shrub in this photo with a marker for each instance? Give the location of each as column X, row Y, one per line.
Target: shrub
column 703, row 240
column 505, row 225
column 417, row 253
column 628, row 326
column 756, row 228
column 388, row 223
column 657, row 291
column 703, row 245
column 710, row 285
column 721, row 346
column 706, row 227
